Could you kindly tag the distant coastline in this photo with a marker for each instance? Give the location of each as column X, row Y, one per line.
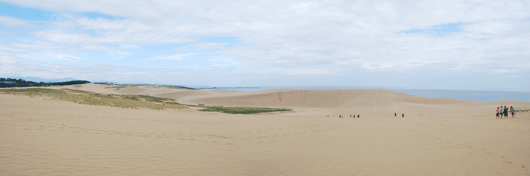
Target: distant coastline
column 473, row 95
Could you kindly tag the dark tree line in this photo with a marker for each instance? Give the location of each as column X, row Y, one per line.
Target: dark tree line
column 109, row 83
column 8, row 82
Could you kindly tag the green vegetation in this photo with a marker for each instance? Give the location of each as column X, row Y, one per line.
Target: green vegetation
column 128, row 101
column 96, row 99
column 119, row 86
column 79, row 91
column 522, row 110
column 240, row 110
column 153, row 99
column 131, row 97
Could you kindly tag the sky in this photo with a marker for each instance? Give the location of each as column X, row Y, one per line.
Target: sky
column 469, row 45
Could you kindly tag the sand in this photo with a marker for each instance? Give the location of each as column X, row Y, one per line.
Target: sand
column 452, row 137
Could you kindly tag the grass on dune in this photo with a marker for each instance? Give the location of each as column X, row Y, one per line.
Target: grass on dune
column 241, row 110
column 122, row 86
column 127, row 101
column 119, row 86
column 522, row 110
column 96, row 99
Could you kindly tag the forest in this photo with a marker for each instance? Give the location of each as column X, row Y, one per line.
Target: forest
column 9, row 82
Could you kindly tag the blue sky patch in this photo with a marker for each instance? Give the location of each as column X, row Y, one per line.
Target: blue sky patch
column 33, row 14
column 438, row 29
column 24, row 12
column 231, row 41
column 95, row 15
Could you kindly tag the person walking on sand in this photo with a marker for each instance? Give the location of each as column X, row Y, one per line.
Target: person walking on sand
column 395, row 114
column 497, row 115
column 403, row 115
column 505, row 112
column 513, row 111
column 502, row 113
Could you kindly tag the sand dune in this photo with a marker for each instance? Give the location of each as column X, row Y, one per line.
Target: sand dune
column 153, row 90
column 371, row 103
column 320, row 98
column 453, row 137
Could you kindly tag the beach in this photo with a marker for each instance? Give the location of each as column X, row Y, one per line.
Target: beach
column 437, row 136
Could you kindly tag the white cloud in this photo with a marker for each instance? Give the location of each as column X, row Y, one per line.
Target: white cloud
column 221, row 62
column 179, row 56
column 376, row 66
column 66, row 57
column 13, row 22
column 173, row 57
column 503, row 70
column 203, row 46
column 34, row 46
column 27, row 52
column 302, row 37
column 129, row 46
column 307, row 72
column 118, row 54
column 8, row 54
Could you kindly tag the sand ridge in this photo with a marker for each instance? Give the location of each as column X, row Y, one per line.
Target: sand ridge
column 331, row 98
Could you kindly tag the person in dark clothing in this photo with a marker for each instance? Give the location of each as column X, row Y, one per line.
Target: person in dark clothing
column 395, row 114
column 505, row 111
column 403, row 115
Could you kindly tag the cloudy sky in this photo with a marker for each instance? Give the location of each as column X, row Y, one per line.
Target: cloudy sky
column 407, row 44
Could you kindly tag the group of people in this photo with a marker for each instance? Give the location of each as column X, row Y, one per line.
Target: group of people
column 503, row 112
column 402, row 115
column 358, row 116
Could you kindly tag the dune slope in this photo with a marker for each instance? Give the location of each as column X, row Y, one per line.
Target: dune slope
column 50, row 137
